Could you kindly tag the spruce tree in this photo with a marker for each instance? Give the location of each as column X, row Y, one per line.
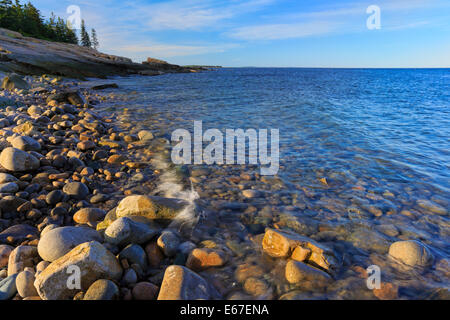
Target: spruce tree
column 85, row 40
column 94, row 39
column 28, row 20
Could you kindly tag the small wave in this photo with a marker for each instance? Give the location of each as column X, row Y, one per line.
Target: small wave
column 171, row 187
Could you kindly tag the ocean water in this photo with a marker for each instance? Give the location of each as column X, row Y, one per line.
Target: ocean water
column 364, row 162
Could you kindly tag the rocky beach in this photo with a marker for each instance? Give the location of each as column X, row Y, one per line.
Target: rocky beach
column 93, row 209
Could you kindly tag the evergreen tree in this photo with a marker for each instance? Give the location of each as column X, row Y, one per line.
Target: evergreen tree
column 85, row 40
column 71, row 35
column 28, row 20
column 94, row 39
column 32, row 23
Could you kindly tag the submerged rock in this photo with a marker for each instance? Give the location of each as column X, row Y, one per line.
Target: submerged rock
column 280, row 244
column 296, row 272
column 201, row 259
column 412, row 253
column 432, row 207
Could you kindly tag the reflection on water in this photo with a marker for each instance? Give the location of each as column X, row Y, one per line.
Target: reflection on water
column 364, row 163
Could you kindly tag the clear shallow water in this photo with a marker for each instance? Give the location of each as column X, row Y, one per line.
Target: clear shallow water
column 380, row 138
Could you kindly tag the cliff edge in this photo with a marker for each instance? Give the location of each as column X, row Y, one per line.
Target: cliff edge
column 30, row 56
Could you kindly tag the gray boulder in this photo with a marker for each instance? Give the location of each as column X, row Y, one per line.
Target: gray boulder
column 59, row 241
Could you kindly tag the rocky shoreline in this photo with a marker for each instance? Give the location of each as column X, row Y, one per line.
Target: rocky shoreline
column 81, row 216
column 30, row 56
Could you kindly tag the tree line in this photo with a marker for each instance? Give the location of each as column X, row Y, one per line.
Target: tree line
column 28, row 20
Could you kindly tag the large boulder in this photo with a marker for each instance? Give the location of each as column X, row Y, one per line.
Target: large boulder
column 14, row 81
column 94, row 262
column 26, row 143
column 180, row 283
column 412, row 253
column 17, row 160
column 59, row 241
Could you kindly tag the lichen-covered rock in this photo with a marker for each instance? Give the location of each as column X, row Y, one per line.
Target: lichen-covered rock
column 93, row 261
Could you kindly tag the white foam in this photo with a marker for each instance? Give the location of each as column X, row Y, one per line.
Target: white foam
column 170, row 187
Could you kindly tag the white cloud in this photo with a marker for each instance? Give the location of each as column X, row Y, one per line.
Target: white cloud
column 340, row 19
column 283, row 31
column 196, row 14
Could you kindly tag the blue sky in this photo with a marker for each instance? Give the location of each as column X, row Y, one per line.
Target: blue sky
column 271, row 33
